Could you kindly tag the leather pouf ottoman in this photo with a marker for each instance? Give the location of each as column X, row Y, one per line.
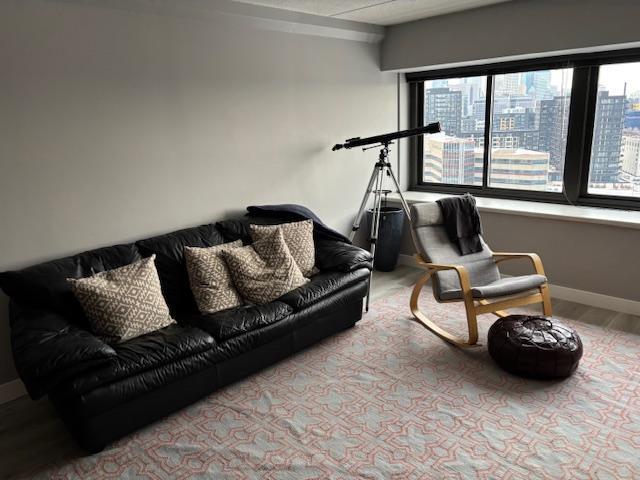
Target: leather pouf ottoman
column 535, row 346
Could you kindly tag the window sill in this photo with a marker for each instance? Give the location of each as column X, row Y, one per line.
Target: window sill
column 603, row 216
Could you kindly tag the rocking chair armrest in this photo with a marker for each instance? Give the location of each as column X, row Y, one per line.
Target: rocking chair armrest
column 534, row 257
column 463, row 275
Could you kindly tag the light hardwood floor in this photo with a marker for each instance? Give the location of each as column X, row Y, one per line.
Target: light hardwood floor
column 31, row 434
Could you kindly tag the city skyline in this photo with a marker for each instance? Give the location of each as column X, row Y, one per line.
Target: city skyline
column 530, row 113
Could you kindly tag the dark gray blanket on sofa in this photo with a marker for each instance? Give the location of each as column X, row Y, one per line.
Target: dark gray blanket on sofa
column 290, row 211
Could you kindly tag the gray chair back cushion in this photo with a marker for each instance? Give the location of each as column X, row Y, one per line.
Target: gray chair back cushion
column 432, row 242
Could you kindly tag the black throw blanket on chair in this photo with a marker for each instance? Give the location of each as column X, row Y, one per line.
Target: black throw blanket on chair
column 462, row 222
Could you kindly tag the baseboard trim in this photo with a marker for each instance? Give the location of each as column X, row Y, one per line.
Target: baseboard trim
column 12, row 390
column 592, row 299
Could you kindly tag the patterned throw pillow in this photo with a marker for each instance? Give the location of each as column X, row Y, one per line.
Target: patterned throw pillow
column 264, row 270
column 125, row 302
column 210, row 279
column 299, row 239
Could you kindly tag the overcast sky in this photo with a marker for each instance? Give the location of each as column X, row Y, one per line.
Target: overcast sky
column 614, row 76
column 561, row 79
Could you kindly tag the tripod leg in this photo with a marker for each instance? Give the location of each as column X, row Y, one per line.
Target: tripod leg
column 375, row 226
column 363, row 205
column 405, row 206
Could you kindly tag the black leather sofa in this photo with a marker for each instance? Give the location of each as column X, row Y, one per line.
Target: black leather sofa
column 103, row 392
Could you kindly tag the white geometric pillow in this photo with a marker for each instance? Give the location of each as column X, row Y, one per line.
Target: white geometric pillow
column 299, row 239
column 125, row 302
column 264, row 270
column 209, row 277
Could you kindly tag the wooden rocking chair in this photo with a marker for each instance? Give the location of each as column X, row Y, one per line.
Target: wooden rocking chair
column 473, row 279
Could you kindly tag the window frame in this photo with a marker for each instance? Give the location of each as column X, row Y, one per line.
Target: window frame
column 581, row 122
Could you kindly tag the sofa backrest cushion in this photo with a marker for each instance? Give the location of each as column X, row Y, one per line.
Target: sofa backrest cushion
column 45, row 285
column 171, row 264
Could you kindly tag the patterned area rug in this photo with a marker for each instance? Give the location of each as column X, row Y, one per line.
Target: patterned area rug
column 388, row 399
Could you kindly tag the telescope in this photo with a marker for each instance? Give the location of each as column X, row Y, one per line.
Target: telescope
column 375, row 185
column 387, row 137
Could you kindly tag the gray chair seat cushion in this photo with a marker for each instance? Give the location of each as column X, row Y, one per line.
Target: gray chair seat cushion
column 499, row 288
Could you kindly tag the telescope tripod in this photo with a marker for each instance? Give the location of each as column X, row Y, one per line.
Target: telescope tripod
column 381, row 168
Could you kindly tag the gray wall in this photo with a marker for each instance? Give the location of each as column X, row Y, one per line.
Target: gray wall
column 586, row 256
column 519, row 27
column 118, row 125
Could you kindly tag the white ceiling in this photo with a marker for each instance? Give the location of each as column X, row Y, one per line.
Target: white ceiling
column 378, row 12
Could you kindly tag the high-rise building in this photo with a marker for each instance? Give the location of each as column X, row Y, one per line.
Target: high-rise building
column 518, row 169
column 515, row 128
column 471, row 125
column 448, row 159
column 538, row 84
column 473, row 129
column 514, row 119
column 527, row 139
column 513, row 103
column 472, row 89
column 509, row 84
column 445, row 106
column 607, row 138
column 632, row 119
column 552, row 138
column 630, row 152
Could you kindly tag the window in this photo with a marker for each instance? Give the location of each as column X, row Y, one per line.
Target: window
column 562, row 130
column 615, row 147
column 451, row 157
column 530, row 115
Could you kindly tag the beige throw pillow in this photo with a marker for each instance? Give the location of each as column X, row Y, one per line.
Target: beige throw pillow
column 210, row 279
column 298, row 237
column 265, row 270
column 125, row 302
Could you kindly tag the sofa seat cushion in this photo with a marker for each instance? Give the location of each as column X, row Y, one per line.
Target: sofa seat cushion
column 173, row 345
column 499, row 288
column 235, row 321
column 275, row 333
column 321, row 286
column 340, row 304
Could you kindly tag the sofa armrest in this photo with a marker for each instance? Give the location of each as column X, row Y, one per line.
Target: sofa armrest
column 48, row 349
column 338, row 256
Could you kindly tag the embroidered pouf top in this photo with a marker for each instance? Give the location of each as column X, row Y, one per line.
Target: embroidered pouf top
column 535, row 346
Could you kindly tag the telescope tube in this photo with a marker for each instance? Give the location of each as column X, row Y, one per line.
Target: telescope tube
column 387, row 137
